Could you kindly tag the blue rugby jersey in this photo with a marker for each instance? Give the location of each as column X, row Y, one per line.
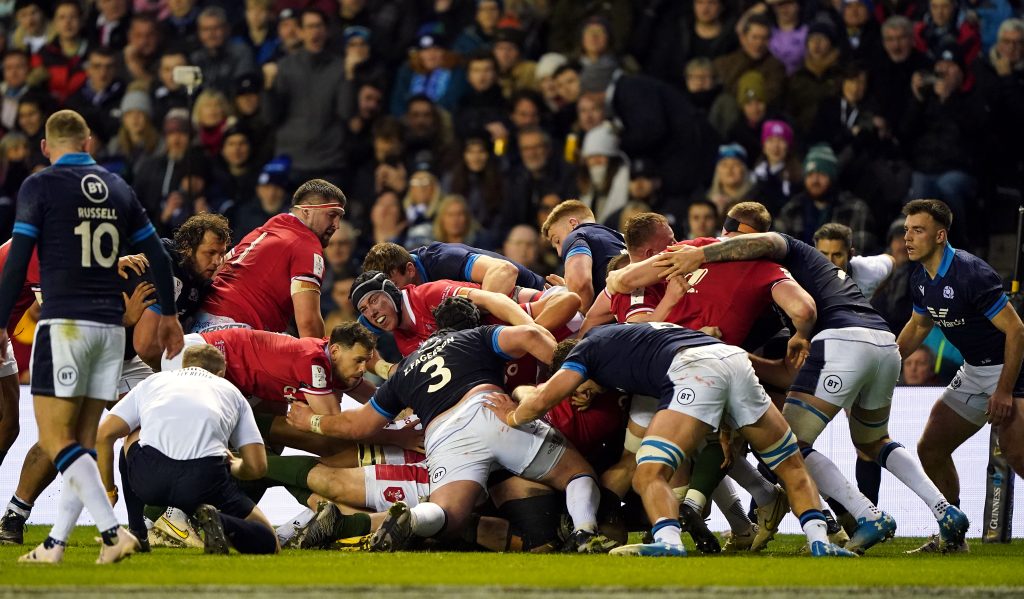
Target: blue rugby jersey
column 600, row 243
column 454, row 261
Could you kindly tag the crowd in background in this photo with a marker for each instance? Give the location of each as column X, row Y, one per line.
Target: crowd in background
column 468, row 120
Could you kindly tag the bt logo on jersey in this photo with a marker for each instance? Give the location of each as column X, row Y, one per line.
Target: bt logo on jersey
column 94, row 188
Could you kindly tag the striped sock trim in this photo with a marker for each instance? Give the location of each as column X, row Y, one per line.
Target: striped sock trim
column 21, row 504
column 583, row 475
column 665, row 523
column 811, row 515
column 806, row 451
column 883, row 455
column 68, row 455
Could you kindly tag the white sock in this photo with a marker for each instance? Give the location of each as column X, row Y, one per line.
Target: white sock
column 83, row 477
column 832, row 483
column 69, row 508
column 667, row 530
column 581, row 499
column 816, row 530
column 287, row 530
column 696, row 500
column 149, row 524
column 427, row 519
column 762, row 491
column 903, row 466
column 20, row 506
column 729, row 502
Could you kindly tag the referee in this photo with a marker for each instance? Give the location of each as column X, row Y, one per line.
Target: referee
column 179, row 425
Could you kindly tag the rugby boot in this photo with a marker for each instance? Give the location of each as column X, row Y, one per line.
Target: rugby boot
column 214, row 540
column 657, row 549
column 871, row 532
column 953, row 527
column 586, row 541
column 769, row 516
column 126, row 545
column 703, row 538
column 395, row 532
column 822, row 549
column 12, row 528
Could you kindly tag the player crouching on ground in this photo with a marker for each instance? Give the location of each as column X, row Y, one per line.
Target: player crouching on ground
column 179, row 426
column 699, row 380
column 446, row 382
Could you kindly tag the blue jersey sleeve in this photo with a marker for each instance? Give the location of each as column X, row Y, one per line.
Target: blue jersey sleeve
column 31, row 208
column 139, row 227
column 446, row 261
column 385, row 402
column 577, row 245
column 986, row 292
column 578, row 358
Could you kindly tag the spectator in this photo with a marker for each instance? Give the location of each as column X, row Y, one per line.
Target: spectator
column 567, row 16
column 746, row 127
column 60, row 61
column 545, row 78
column 940, row 130
column 389, row 172
column 538, row 173
column 420, row 205
column 137, row 139
column 777, row 173
column 258, row 32
column 892, row 71
column 522, row 245
column 169, row 94
column 944, row 23
column 14, row 154
column 919, row 369
column 393, row 23
column 189, row 198
column 99, row 100
column 359, row 148
column 233, row 177
column 387, row 220
column 454, row 224
column 595, row 47
column 991, row 14
column 211, row 117
column 340, row 254
column 477, row 178
column 141, row 56
column 340, row 309
column 603, row 181
column 567, row 82
column 311, row 120
column 999, row 79
column 430, row 71
column 480, row 34
column 33, row 110
column 482, row 108
column 271, row 195
column 427, row 134
column 289, row 31
column 892, row 298
column 703, row 89
column 157, row 176
column 753, row 54
column 823, row 202
column 33, row 31
column 702, row 219
column 848, row 121
column 248, row 107
column 789, row 35
column 862, row 33
column 13, row 87
column 514, row 73
column 360, row 65
column 181, row 23
column 222, row 60
column 108, row 25
column 711, row 35
column 818, row 78
column 645, row 188
column 732, row 182
column 528, row 110
column 590, row 113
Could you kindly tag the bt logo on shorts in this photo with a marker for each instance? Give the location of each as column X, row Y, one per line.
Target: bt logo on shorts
column 833, row 384
column 437, row 474
column 67, row 375
column 685, row 397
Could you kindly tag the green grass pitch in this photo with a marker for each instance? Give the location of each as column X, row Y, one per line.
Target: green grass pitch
column 989, row 570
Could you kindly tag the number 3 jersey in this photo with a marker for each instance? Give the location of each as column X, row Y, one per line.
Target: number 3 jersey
column 260, row 275
column 962, row 299
column 438, row 375
column 82, row 217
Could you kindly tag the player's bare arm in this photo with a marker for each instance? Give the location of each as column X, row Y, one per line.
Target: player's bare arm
column 497, row 305
column 685, row 259
column 599, row 313
column 914, row 333
column 534, row 402
column 252, row 464
column 356, row 424
column 518, row 341
column 579, row 280
column 111, row 429
column 799, row 306
column 1000, row 404
column 306, row 303
column 494, row 275
column 322, row 403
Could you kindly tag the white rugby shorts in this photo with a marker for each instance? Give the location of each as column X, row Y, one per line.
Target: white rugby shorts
column 10, row 365
column 851, row 366
column 388, row 483
column 712, row 382
column 968, row 392
column 77, row 358
column 133, row 372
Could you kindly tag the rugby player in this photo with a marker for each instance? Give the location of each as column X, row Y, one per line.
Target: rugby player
column 455, row 262
column 274, row 274
column 584, row 246
column 446, row 382
column 10, row 389
column 178, row 427
column 963, row 296
column 80, row 214
column 701, row 383
column 853, row 363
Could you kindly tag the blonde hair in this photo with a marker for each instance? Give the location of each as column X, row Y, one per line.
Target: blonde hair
column 66, row 127
column 471, row 225
column 752, row 214
column 207, row 96
column 566, row 209
column 435, row 198
column 206, row 357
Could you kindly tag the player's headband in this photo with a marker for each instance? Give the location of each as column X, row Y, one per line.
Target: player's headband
column 326, row 206
column 731, row 225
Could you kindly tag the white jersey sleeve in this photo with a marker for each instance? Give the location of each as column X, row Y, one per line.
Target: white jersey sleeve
column 128, row 408
column 245, row 432
column 868, row 272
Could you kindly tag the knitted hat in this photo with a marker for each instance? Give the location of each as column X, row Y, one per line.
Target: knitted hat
column 548, row 64
column 176, row 121
column 824, row 28
column 732, row 151
column 275, row 172
column 821, row 159
column 750, row 87
column 777, row 129
column 137, row 100
column 601, row 141
column 356, row 31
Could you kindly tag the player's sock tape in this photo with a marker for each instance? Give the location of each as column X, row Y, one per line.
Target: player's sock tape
column 661, row 451
column 780, row 451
